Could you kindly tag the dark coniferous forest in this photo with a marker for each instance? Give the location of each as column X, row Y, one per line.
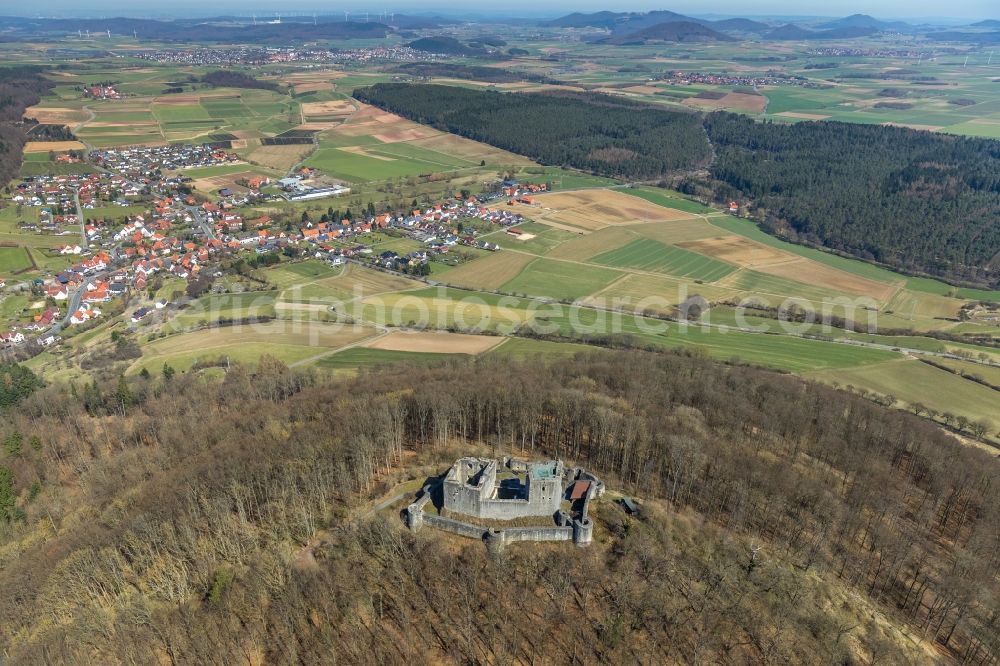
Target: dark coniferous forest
column 918, row 201
column 595, row 133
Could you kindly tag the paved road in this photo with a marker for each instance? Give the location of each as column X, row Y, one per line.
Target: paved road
column 73, row 303
column 84, row 241
column 201, row 221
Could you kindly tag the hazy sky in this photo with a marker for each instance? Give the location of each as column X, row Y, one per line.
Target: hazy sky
column 956, row 9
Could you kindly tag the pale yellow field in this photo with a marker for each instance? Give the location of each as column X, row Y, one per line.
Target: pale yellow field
column 316, row 86
column 734, row 100
column 815, row 273
column 435, row 342
column 56, row 115
column 803, row 116
column 55, row 146
column 676, row 231
column 737, row 250
column 591, row 210
column 279, row 157
column 462, row 147
column 328, row 108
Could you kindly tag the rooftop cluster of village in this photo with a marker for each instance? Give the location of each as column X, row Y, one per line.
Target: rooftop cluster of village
column 147, row 164
column 853, row 51
column 102, row 91
column 263, row 56
column 180, row 236
column 769, row 79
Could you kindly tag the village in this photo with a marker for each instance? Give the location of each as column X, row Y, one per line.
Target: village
column 679, row 78
column 281, row 54
column 179, row 236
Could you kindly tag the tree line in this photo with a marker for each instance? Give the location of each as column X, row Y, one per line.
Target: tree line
column 230, row 79
column 917, row 201
column 21, row 86
column 596, row 133
column 169, row 517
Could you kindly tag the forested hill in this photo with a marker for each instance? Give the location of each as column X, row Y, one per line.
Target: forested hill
column 20, row 87
column 163, row 520
column 230, row 79
column 918, row 201
column 593, row 132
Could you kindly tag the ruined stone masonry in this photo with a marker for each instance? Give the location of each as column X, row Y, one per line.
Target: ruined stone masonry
column 488, row 489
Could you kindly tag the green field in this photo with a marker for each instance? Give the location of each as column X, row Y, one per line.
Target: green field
column 908, row 380
column 379, row 165
column 560, row 280
column 527, row 348
column 13, row 260
column 775, row 351
column 650, row 255
column 359, row 357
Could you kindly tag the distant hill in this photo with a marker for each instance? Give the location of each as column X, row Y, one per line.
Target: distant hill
column 789, row 31
column 637, row 22
column 792, row 32
column 595, row 20
column 739, row 25
column 674, row 31
column 862, row 21
column 988, row 23
column 628, row 23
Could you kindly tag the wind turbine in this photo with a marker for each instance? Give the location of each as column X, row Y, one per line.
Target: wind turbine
column 109, row 34
column 966, row 61
column 346, row 14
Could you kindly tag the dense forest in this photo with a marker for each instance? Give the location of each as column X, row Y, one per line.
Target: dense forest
column 444, row 45
column 917, row 201
column 593, row 132
column 179, row 519
column 229, row 79
column 20, row 87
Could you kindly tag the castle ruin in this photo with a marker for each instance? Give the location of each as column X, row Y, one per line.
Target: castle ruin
column 471, row 488
column 488, row 489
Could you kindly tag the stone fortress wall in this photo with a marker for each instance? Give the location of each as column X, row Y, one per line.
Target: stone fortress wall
column 470, row 488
